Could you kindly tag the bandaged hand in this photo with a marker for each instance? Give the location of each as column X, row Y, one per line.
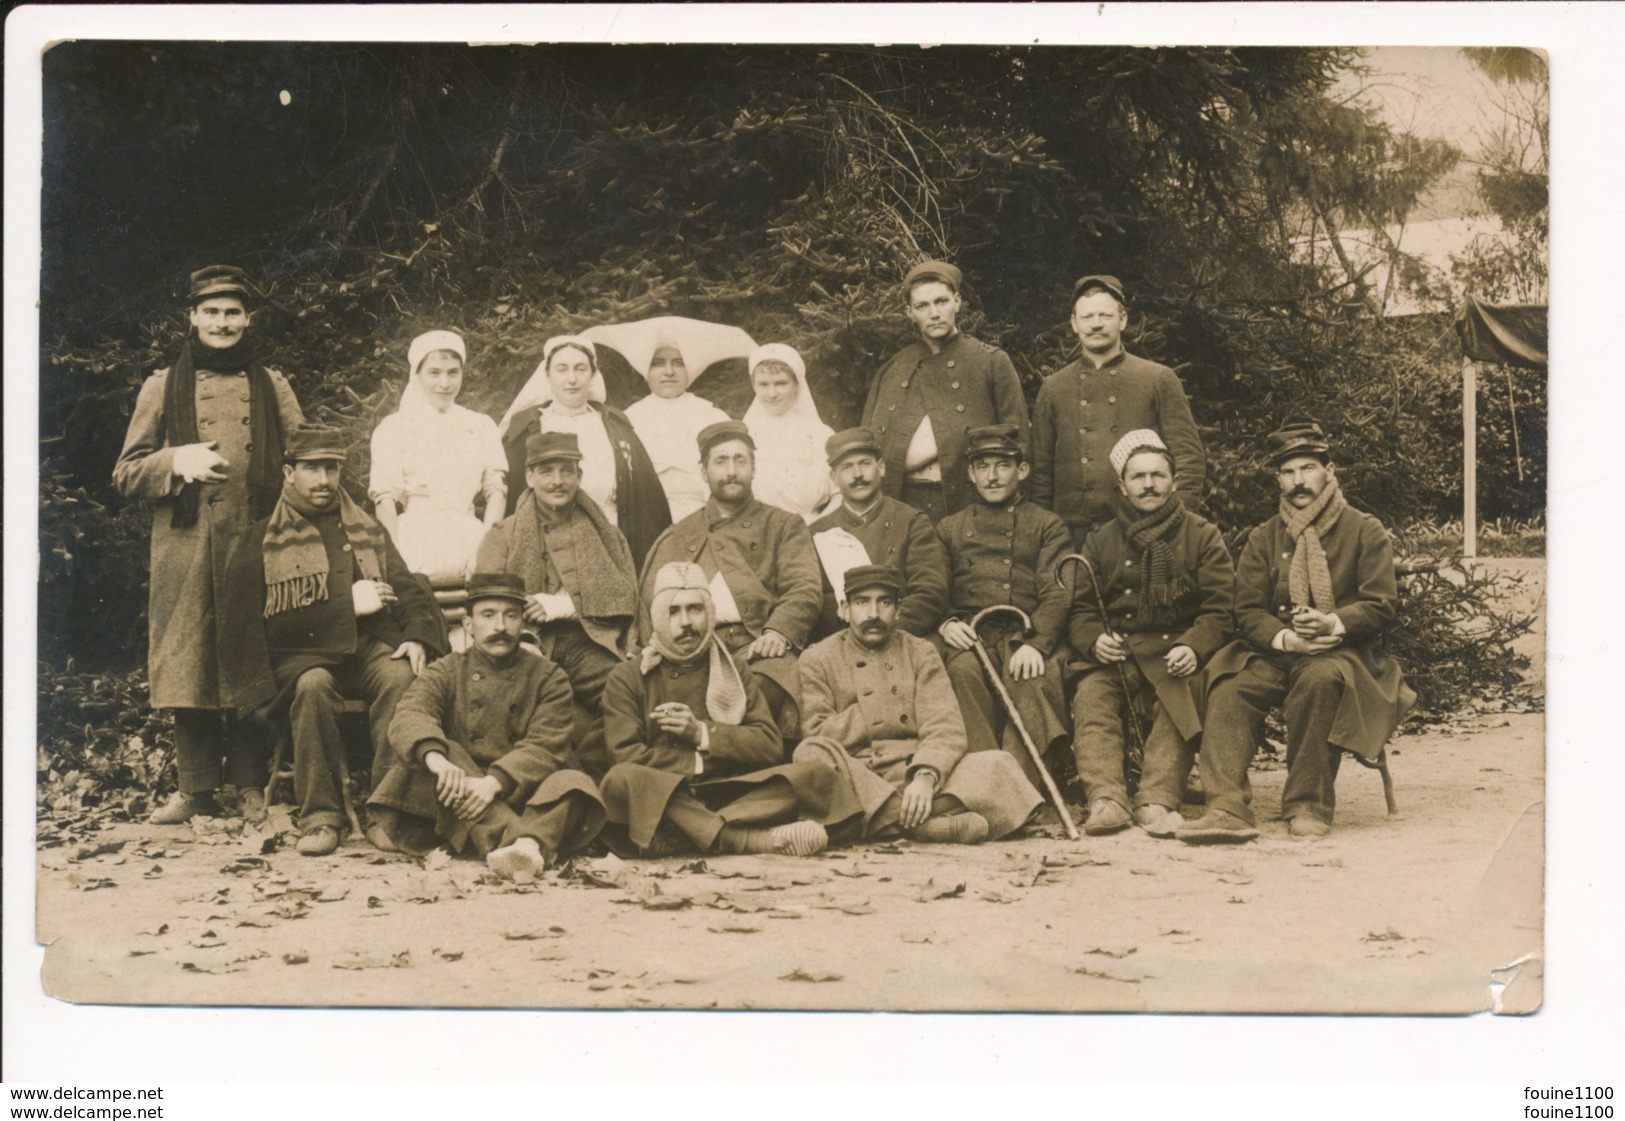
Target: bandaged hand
column 199, row 463
column 547, row 607
column 371, row 597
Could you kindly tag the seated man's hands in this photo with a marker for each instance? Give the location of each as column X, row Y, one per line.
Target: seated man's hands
column 917, row 798
column 460, row 792
column 1309, row 623
column 414, row 653
column 1181, row 661
column 677, row 721
column 1110, row 648
column 1026, row 663
column 958, row 634
column 1294, row 643
column 772, row 644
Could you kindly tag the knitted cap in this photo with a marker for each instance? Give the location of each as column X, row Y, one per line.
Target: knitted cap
column 680, row 576
column 1131, row 443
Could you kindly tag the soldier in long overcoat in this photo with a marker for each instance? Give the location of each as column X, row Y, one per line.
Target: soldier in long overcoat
column 205, row 446
column 880, row 711
column 1316, row 596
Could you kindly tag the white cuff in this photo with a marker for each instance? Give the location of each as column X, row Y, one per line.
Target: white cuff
column 1279, row 641
column 1338, row 629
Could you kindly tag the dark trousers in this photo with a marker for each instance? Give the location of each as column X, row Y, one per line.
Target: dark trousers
column 987, row 727
column 1309, row 691
column 318, row 696
column 213, row 748
column 587, row 665
column 557, row 828
column 1099, row 745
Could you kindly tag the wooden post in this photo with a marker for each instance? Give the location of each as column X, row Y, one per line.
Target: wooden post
column 1469, row 458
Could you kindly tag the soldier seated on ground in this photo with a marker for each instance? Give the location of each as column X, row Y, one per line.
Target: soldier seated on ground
column 878, row 709
column 484, row 736
column 699, row 761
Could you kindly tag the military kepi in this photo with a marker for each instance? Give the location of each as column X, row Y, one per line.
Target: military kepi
column 871, row 576
column 220, row 280
column 496, row 585
column 1105, row 283
column 544, row 446
column 314, row 441
column 850, row 440
column 724, row 430
column 940, row 271
column 1298, row 437
column 993, row 439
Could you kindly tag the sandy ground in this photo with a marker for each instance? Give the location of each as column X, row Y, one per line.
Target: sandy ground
column 1436, row 910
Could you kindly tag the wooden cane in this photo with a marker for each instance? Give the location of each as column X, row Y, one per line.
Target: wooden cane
column 1131, row 714
column 994, row 677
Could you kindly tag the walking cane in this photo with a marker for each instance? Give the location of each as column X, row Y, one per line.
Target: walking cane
column 1136, row 747
column 994, row 676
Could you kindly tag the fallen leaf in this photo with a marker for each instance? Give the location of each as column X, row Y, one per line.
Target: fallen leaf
column 153, row 873
column 1074, row 860
column 448, row 955
column 87, row 852
column 1389, row 935
column 1104, row 952
column 694, row 866
column 374, row 901
column 246, row 864
column 402, row 960
column 93, row 883
column 918, row 937
column 930, row 892
column 858, row 909
column 531, row 935
column 666, row 903
column 254, row 922
column 734, row 928
column 296, row 957
column 853, row 872
column 1235, row 899
column 1172, row 931
column 141, row 953
column 1142, row 872
column 228, row 967
column 291, row 909
column 997, row 897
column 436, row 860
column 1239, row 881
column 163, row 928
column 332, row 894
column 1085, row 971
column 816, row 976
column 255, row 956
column 547, row 957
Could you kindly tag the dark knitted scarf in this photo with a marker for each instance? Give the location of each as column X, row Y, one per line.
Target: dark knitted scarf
column 1162, row 577
column 609, row 586
column 265, row 423
column 1310, row 577
column 296, row 559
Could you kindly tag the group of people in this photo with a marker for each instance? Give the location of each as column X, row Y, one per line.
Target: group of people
column 678, row 636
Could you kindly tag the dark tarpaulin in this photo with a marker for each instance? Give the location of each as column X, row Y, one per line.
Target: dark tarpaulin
column 1513, row 335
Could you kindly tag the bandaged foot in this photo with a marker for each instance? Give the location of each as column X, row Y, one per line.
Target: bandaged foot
column 799, row 838
column 522, row 862
column 953, row 829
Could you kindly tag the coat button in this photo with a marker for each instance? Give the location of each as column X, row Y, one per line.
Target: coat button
column 1006, row 586
column 245, row 420
column 204, row 423
column 961, row 408
column 753, row 546
column 891, row 408
column 956, row 385
column 347, row 549
column 1128, row 564
column 1165, row 638
column 245, row 396
column 248, row 447
column 894, row 690
column 905, row 385
column 476, row 677
column 1085, row 401
column 1114, row 428
column 903, row 718
column 1086, row 461
column 950, row 363
column 1113, row 400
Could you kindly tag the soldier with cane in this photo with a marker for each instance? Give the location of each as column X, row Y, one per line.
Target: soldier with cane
column 1157, row 608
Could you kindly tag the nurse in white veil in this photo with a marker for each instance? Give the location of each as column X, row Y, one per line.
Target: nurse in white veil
column 791, row 471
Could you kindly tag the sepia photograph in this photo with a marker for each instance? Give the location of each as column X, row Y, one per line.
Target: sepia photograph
column 791, row 527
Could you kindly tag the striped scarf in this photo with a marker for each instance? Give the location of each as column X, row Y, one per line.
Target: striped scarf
column 296, row 559
column 1309, row 576
column 1162, row 579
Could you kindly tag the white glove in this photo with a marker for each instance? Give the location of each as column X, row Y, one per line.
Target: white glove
column 557, row 606
column 199, row 463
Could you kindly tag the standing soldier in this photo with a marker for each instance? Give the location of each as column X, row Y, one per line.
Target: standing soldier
column 928, row 397
column 205, row 444
column 1083, row 410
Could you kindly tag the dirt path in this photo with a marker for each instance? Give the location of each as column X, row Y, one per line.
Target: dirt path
column 1411, row 914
